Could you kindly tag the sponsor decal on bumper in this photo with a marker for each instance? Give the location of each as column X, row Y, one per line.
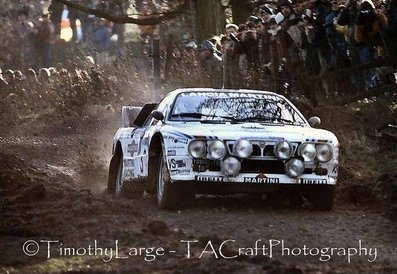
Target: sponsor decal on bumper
column 261, row 180
column 211, row 179
column 184, row 174
column 307, row 181
column 253, row 180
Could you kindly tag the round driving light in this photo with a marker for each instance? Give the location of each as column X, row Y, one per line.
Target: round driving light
column 308, row 152
column 217, row 149
column 243, row 148
column 324, row 153
column 294, row 167
column 283, row 149
column 197, row 149
column 231, row 166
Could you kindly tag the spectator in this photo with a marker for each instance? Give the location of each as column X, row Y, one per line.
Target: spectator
column 290, row 21
column 321, row 9
column 347, row 18
column 44, row 39
column 277, row 51
column 101, row 41
column 55, row 9
column 264, row 37
column 210, row 59
column 73, row 16
column 336, row 40
column 84, row 19
column 378, row 4
column 299, row 8
column 265, row 13
column 370, row 24
column 230, row 59
column 311, row 62
column 247, row 48
column 290, row 25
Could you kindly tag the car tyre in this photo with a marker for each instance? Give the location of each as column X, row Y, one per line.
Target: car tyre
column 113, row 173
column 321, row 197
column 168, row 195
column 131, row 190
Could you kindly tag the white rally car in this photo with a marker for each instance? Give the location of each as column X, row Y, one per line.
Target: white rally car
column 222, row 141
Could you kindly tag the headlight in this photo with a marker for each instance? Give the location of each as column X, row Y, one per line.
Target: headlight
column 231, row 166
column 283, row 150
column 308, row 152
column 324, row 153
column 294, row 167
column 197, row 149
column 243, row 148
column 217, row 149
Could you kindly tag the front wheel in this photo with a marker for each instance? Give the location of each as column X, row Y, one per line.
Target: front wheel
column 169, row 196
column 118, row 183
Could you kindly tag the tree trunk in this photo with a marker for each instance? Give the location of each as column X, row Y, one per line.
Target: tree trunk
column 210, row 18
column 241, row 10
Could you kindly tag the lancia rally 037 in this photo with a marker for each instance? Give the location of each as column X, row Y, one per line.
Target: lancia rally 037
column 222, row 141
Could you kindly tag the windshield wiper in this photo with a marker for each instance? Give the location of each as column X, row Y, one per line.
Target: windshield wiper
column 283, row 121
column 201, row 115
column 188, row 114
column 266, row 120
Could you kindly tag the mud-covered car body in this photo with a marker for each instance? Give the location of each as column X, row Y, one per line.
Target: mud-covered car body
column 235, row 139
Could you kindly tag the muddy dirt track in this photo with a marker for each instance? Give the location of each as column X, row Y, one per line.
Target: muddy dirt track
column 53, row 179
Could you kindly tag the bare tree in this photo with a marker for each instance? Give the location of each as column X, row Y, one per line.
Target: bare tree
column 210, row 18
column 118, row 13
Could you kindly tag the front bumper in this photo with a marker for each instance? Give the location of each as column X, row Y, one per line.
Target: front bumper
column 183, row 169
column 251, row 178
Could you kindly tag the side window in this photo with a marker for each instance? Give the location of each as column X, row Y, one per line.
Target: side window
column 150, row 121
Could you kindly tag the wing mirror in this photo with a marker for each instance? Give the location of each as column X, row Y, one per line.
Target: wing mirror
column 158, row 115
column 314, row 121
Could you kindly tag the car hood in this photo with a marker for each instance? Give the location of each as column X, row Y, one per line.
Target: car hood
column 249, row 131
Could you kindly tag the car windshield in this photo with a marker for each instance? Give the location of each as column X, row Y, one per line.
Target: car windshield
column 234, row 107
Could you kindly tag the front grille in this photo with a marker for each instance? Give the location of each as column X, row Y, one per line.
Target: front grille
column 256, row 151
column 261, row 149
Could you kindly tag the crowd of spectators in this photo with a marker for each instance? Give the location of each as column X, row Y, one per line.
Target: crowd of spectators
column 294, row 37
column 278, row 44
